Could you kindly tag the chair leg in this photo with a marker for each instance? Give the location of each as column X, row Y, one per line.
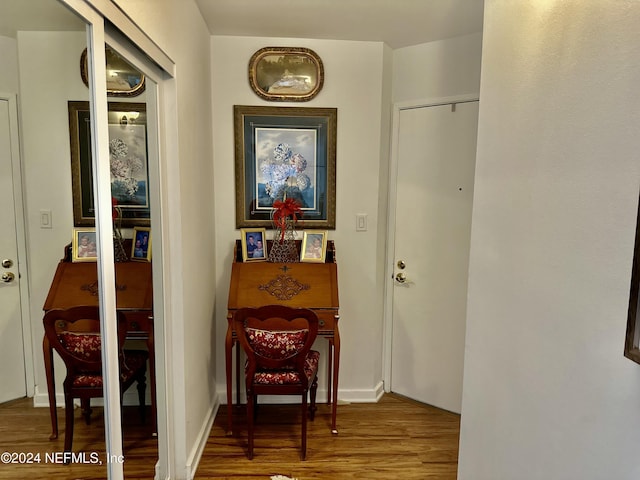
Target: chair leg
column 250, row 413
column 85, row 405
column 314, row 390
column 303, row 451
column 68, row 422
column 142, row 390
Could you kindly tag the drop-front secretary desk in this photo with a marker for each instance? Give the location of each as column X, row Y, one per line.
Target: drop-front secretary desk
column 301, row 285
column 77, row 284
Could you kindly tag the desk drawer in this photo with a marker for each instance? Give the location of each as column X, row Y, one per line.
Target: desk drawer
column 139, row 323
column 326, row 320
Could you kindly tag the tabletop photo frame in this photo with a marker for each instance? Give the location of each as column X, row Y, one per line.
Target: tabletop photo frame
column 84, row 245
column 254, row 244
column 141, row 244
column 314, row 246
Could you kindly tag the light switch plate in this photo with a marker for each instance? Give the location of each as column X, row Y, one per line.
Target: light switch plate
column 45, row 219
column 361, row 222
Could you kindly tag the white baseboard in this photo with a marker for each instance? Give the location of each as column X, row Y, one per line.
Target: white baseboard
column 201, row 440
column 372, row 395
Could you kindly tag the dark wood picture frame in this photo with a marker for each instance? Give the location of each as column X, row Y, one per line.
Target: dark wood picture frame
column 128, row 146
column 285, row 150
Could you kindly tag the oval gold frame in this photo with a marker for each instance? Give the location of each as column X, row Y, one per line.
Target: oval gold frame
column 286, row 74
column 115, row 62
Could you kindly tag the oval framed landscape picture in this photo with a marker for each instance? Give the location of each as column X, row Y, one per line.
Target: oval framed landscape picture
column 286, row 74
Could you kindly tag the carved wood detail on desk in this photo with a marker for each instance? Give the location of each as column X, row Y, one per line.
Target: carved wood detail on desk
column 284, row 287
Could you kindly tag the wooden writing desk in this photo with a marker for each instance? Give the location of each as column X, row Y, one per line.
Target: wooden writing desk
column 76, row 284
column 307, row 285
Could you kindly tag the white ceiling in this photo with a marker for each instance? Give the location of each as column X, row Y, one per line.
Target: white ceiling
column 398, row 23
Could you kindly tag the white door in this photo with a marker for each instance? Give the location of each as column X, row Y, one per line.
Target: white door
column 436, row 149
column 12, row 374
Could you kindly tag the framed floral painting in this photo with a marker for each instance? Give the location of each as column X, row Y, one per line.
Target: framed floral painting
column 283, row 153
column 128, row 157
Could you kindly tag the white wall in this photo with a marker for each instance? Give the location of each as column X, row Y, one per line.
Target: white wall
column 547, row 391
column 46, row 163
column 9, row 70
column 437, row 69
column 178, row 28
column 354, row 85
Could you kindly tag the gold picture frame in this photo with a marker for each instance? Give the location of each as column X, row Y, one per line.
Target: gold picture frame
column 83, row 245
column 123, row 80
column 286, row 74
column 314, row 246
column 254, row 244
column 141, row 244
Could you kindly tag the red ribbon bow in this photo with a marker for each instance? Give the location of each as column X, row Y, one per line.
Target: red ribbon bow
column 284, row 210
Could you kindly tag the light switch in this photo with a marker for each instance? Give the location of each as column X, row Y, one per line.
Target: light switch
column 361, row 222
column 45, row 219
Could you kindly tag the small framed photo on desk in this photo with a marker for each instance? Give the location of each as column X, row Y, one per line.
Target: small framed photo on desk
column 254, row 244
column 83, row 245
column 141, row 244
column 314, row 246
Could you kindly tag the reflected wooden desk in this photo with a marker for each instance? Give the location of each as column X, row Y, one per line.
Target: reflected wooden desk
column 308, row 285
column 76, row 284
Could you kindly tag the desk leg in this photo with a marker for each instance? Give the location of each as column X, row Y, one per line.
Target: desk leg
column 51, row 386
column 336, row 369
column 228, row 346
column 152, row 374
column 329, row 370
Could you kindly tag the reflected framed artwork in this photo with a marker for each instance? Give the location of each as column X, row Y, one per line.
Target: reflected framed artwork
column 141, row 244
column 283, row 153
column 83, row 245
column 286, row 74
column 128, row 157
column 123, row 80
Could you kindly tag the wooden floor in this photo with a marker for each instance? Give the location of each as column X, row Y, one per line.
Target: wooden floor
column 25, row 429
column 393, row 439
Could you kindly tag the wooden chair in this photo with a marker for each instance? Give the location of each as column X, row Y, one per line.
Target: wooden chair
column 75, row 334
column 277, row 340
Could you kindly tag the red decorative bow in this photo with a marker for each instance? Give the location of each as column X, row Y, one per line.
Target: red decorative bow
column 284, row 210
column 114, row 208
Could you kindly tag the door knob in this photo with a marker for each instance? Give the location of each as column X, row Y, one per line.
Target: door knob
column 6, row 263
column 401, row 277
column 401, row 264
column 8, row 277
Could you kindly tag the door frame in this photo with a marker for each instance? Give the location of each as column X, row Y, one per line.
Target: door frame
column 21, row 240
column 392, row 188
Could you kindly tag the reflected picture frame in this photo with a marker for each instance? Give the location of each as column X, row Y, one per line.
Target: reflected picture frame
column 141, row 244
column 123, row 79
column 254, row 244
column 84, row 245
column 314, row 246
column 286, row 74
column 285, row 151
column 127, row 144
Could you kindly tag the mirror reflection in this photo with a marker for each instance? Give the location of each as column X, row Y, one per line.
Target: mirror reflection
column 40, row 75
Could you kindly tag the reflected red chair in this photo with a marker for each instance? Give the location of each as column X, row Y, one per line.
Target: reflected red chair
column 277, row 340
column 75, row 334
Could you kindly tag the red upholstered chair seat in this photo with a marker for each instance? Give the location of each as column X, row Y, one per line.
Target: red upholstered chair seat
column 288, row 376
column 74, row 333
